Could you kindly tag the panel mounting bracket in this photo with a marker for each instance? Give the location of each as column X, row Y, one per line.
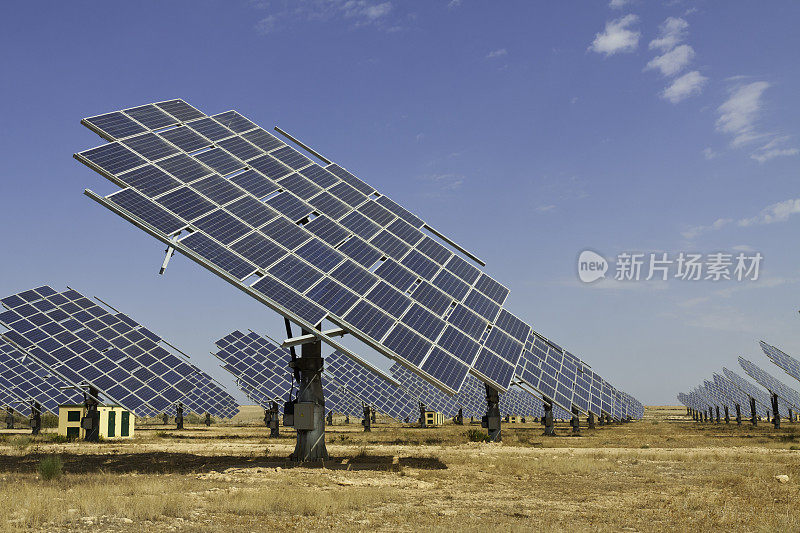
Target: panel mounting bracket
column 304, row 339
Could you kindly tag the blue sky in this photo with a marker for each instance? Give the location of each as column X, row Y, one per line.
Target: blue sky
column 525, row 131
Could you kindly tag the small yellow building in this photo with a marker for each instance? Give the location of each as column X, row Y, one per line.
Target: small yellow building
column 433, row 419
column 115, row 422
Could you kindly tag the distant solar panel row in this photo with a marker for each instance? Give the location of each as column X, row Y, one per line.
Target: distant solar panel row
column 767, row 381
column 81, row 342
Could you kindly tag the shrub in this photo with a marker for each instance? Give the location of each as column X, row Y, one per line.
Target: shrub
column 476, row 435
column 50, row 467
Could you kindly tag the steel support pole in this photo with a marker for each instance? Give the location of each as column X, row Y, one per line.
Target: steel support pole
column 179, row 416
column 366, row 422
column 36, row 418
column 590, row 420
column 549, row 427
column 753, row 416
column 575, row 422
column 776, row 414
column 310, row 442
column 738, row 415
column 492, row 419
column 727, row 415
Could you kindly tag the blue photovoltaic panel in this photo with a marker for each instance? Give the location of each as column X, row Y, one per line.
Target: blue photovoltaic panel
column 469, row 399
column 790, row 396
column 371, row 389
column 520, row 403
column 339, row 399
column 334, row 205
column 115, row 125
column 789, row 364
column 151, row 117
column 749, row 389
column 80, row 341
column 737, row 395
column 258, row 364
column 23, row 380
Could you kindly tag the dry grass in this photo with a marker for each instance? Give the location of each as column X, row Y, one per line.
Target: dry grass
column 645, row 476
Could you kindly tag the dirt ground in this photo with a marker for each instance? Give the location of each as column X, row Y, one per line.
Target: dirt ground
column 663, row 473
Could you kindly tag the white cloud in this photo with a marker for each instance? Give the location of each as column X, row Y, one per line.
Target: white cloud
column 763, row 157
column 739, row 113
column 366, row 10
column 617, row 37
column 442, row 184
column 618, row 4
column 545, row 208
column 696, row 231
column 500, row 52
column 778, row 212
column 709, row 154
column 672, row 31
column 774, row 148
column 673, row 61
column 266, row 25
column 689, row 84
column 360, row 12
column 454, row 4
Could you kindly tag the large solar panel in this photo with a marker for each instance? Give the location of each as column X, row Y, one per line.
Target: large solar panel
column 23, row 380
column 81, row 342
column 759, row 395
column 323, row 243
column 317, row 242
column 788, row 395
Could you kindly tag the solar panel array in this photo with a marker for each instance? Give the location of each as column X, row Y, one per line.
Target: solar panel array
column 789, row 364
column 750, row 390
column 23, row 380
column 339, row 399
column 517, row 402
column 318, row 243
column 468, row 400
column 80, row 342
column 730, row 390
column 771, row 384
column 259, row 366
column 736, row 395
column 369, row 388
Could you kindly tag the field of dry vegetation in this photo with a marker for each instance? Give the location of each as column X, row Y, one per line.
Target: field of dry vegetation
column 663, row 473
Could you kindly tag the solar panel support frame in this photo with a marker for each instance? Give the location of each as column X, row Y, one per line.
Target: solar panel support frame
column 492, row 419
column 310, row 444
column 303, row 339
